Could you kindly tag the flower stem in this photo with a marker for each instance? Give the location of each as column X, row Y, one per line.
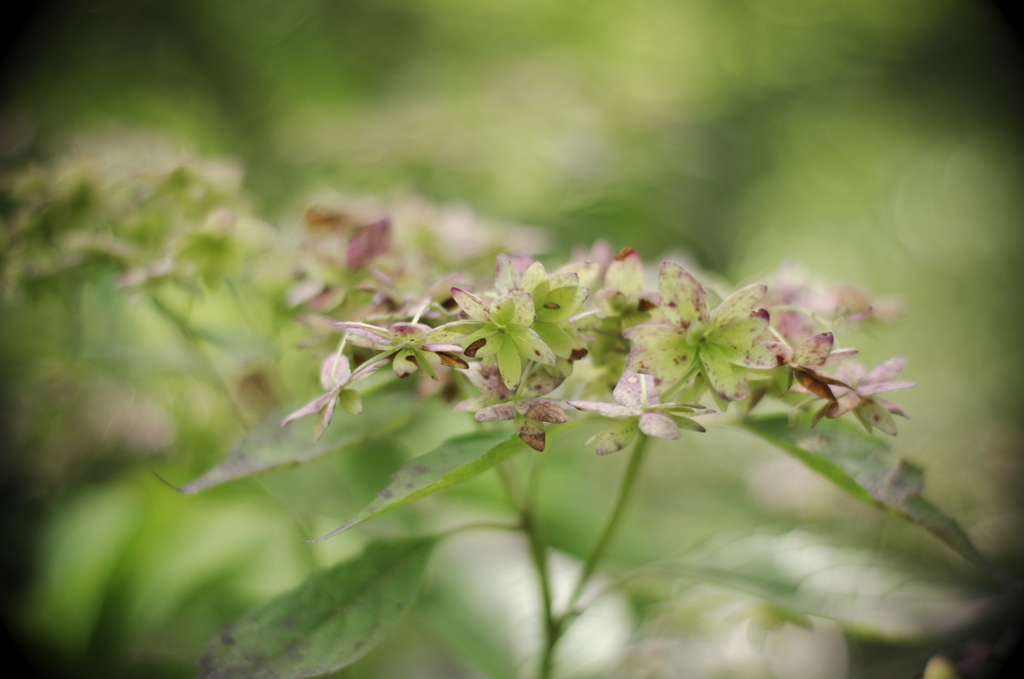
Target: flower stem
column 598, row 550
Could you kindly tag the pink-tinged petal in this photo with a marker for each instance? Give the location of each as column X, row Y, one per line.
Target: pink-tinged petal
column 871, row 388
column 886, row 371
column 530, row 431
column 535, row 277
column 506, row 276
column 632, row 386
column 814, row 351
column 487, row 379
column 893, row 408
column 659, row 425
column 875, row 414
column 739, row 334
column 509, row 364
column 529, row 345
column 334, row 371
column 324, row 419
column 367, row 369
column 369, row 242
column 843, row 404
column 544, row 379
column 300, row 293
column 453, row 333
column 626, row 274
column 471, row 304
column 683, row 299
column 781, row 351
column 728, row 381
column 615, row 437
column 408, row 332
column 311, row 407
column 542, row 409
column 498, row 411
column 366, row 335
column 351, row 400
column 606, row 409
column 839, row 355
column 850, row 372
column 447, row 348
column 738, row 305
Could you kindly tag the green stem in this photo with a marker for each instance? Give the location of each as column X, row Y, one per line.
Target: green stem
column 599, row 548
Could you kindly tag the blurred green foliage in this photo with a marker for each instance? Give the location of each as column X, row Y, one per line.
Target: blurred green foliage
column 873, row 141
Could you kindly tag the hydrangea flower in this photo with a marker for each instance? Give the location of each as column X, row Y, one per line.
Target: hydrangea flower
column 335, row 376
column 721, row 343
column 408, row 343
column 525, row 407
column 639, row 409
column 556, row 297
column 862, row 395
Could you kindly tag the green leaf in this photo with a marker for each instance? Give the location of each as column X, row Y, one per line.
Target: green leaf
column 798, row 574
column 863, row 466
column 456, row 460
column 332, row 620
column 270, row 445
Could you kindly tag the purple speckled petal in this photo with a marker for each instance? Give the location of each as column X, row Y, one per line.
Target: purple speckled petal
column 738, row 305
column 498, row 411
column 886, row 371
column 755, row 356
column 407, row 332
column 781, row 351
column 814, row 351
column 659, row 425
column 606, row 409
column 739, row 334
column 632, row 386
column 471, row 304
column 450, row 348
column 453, row 333
column 843, row 405
column 683, row 299
column 626, row 274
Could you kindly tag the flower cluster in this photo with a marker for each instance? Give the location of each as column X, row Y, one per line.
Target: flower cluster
column 646, row 357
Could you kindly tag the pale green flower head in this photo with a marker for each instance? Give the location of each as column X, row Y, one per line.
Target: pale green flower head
column 720, row 343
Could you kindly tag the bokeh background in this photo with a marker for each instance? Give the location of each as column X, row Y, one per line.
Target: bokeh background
column 874, row 142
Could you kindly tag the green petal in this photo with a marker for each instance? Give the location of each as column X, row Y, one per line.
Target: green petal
column 738, row 305
column 561, row 303
column 739, row 334
column 682, row 298
column 728, row 381
column 424, row 362
column 508, row 363
column 626, row 274
column 556, row 338
column 616, row 437
column 506, row 277
column 471, row 304
column 529, row 344
column 874, row 413
column 535, row 280
column 755, row 356
column 351, row 401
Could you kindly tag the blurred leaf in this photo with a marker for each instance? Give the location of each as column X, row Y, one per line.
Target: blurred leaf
column 796, row 574
column 863, row 466
column 329, row 622
column 270, row 445
column 454, row 461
